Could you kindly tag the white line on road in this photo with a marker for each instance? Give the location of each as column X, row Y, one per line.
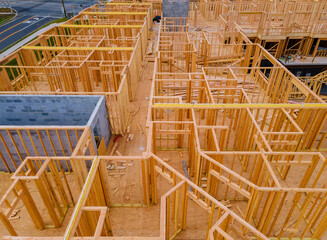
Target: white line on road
column 32, row 24
column 25, row 41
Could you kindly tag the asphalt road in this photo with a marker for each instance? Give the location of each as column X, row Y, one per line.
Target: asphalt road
column 41, row 8
column 33, row 15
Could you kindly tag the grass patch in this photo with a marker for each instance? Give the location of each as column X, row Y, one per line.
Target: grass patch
column 12, row 62
column 5, row 17
column 59, row 20
column 5, row 10
column 14, row 72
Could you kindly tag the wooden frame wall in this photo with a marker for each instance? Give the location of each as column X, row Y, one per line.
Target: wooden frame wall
column 270, row 22
column 92, row 206
column 95, row 51
column 239, row 131
column 36, row 141
column 231, row 127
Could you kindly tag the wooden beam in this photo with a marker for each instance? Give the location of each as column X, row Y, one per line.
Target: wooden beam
column 129, row 4
column 79, row 48
column 99, row 26
column 115, row 13
column 240, row 106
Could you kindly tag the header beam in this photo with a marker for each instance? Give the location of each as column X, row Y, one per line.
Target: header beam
column 78, row 48
column 240, row 106
column 115, row 13
column 100, row 26
column 129, row 4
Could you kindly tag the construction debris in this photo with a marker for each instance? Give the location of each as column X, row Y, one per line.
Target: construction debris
column 140, row 128
column 130, row 137
column 136, row 111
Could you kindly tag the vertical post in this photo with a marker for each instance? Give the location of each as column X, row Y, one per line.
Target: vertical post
column 210, row 219
column 167, row 217
column 63, row 5
column 8, row 225
column 315, row 50
column 195, row 14
column 184, row 206
column 30, row 205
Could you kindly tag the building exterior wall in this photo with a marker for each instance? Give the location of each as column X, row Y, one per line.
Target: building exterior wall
column 48, row 112
column 99, row 122
column 175, row 8
column 45, row 110
column 50, row 150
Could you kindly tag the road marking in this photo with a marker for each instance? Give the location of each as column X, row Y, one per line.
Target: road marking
column 16, row 25
column 21, row 29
